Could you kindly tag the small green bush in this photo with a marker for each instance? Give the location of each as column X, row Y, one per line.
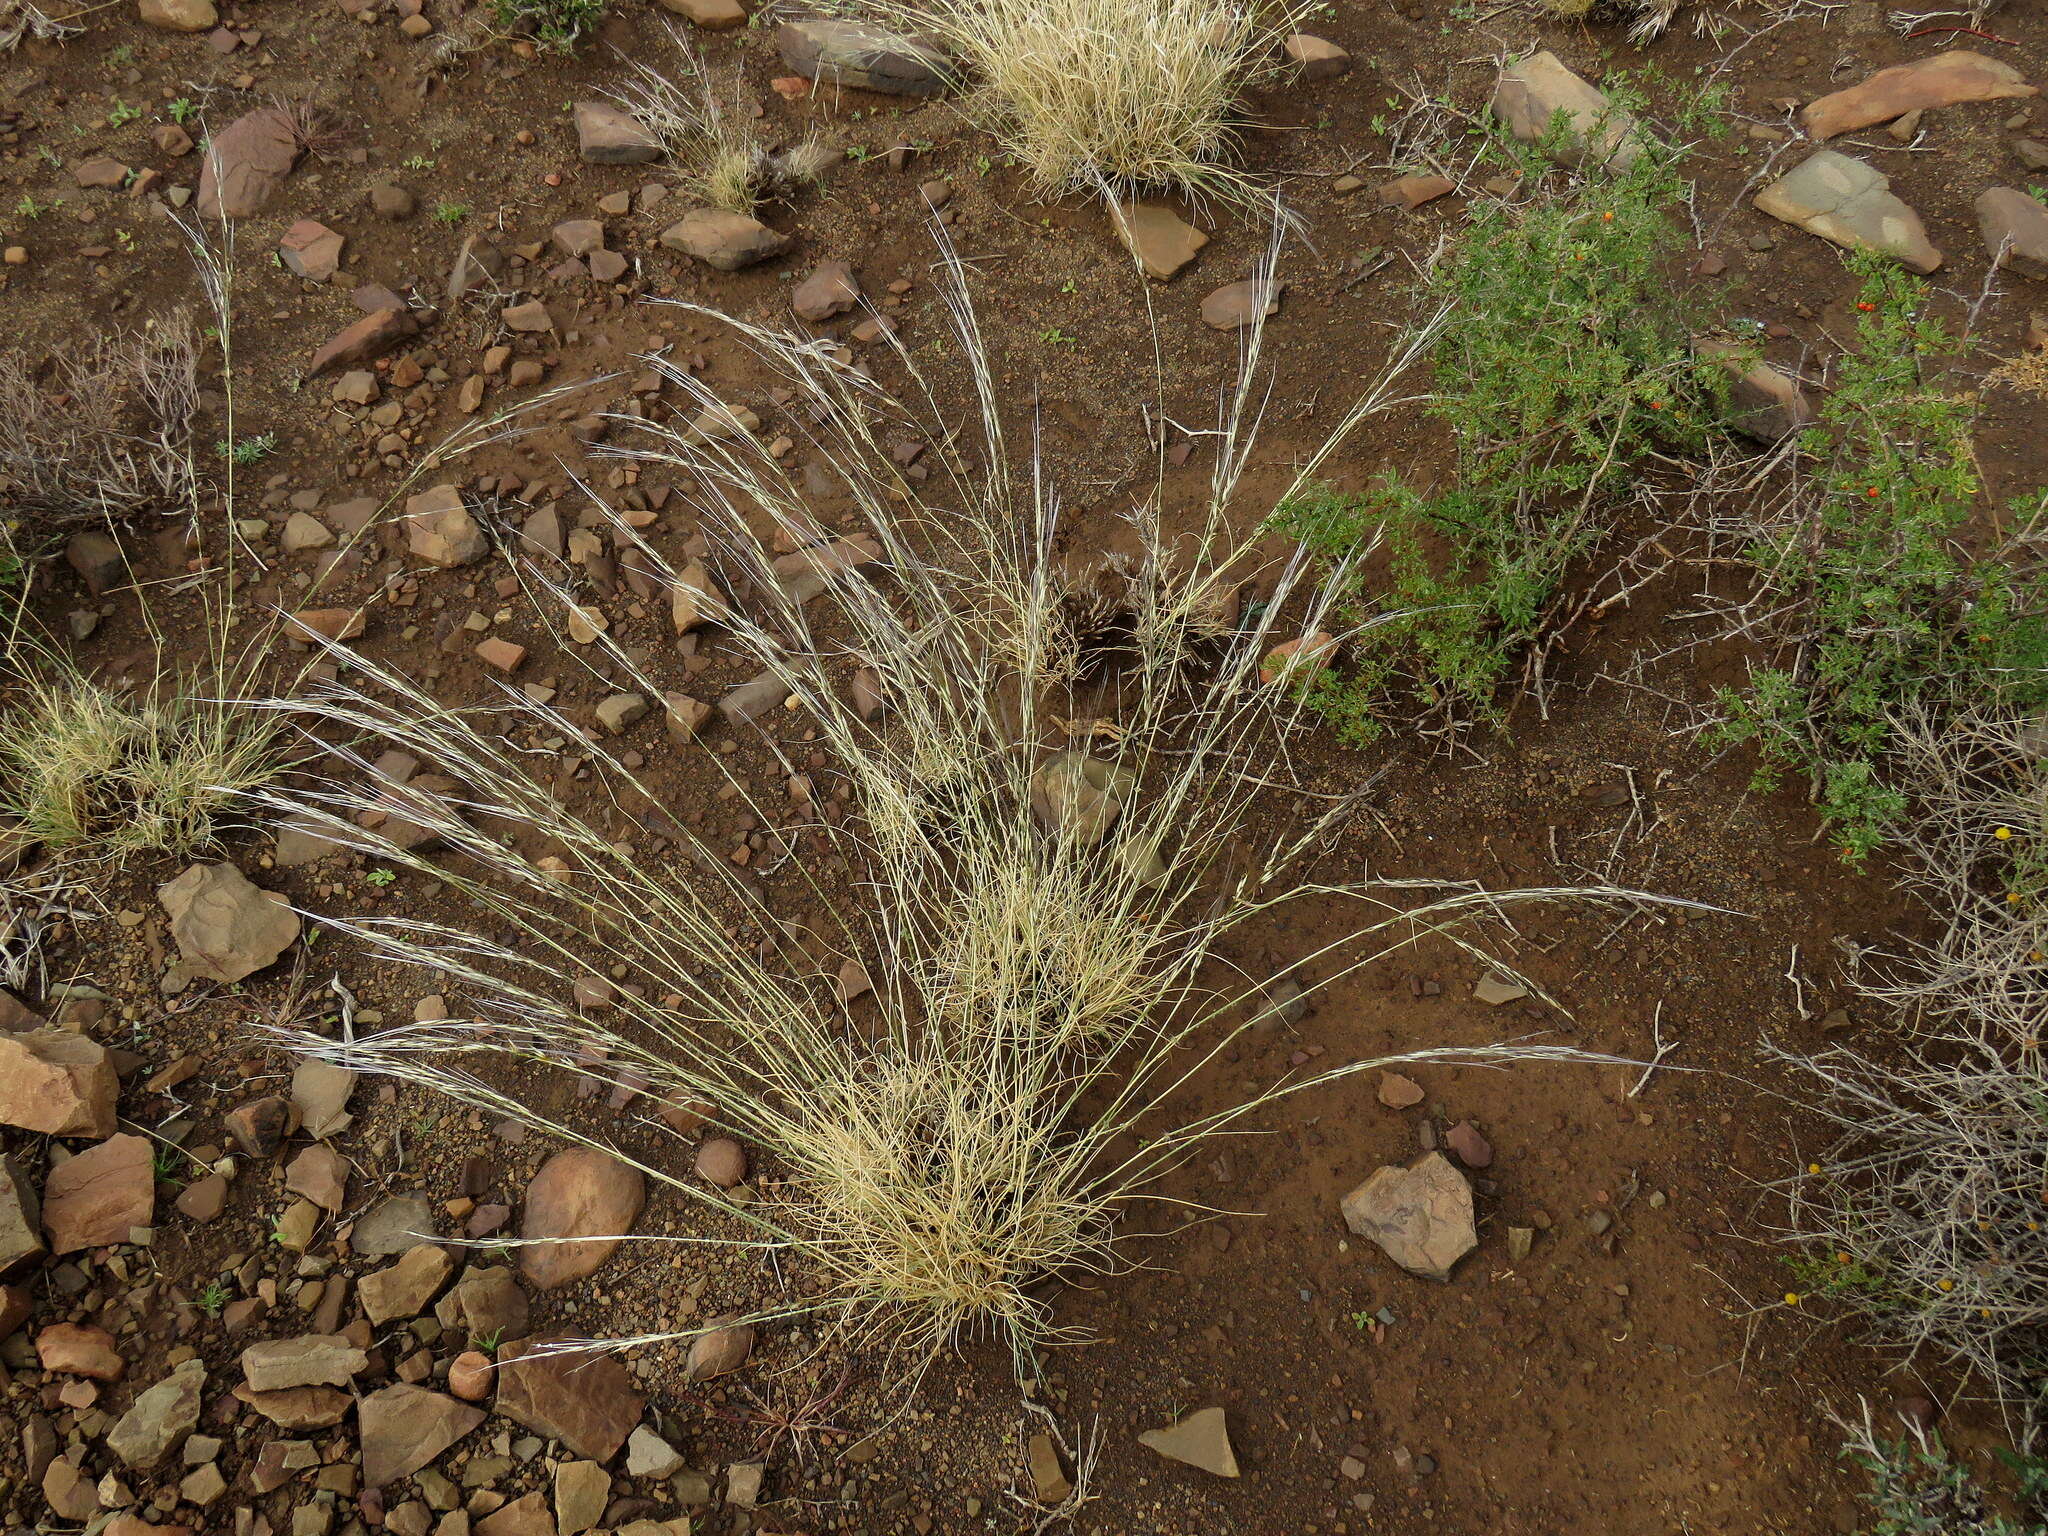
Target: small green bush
column 1564, row 357
column 558, row 23
column 1878, row 605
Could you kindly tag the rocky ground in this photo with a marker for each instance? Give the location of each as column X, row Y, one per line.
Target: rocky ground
column 233, row 1293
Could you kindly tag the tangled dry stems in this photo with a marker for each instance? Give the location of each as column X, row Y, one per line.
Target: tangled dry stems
column 1926, row 1214
column 1104, row 96
column 704, row 128
column 108, row 435
column 1039, row 1000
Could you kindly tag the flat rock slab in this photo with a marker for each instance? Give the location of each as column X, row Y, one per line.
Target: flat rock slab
column 100, row 1196
column 583, row 1399
column 405, row 1427
column 1237, row 305
column 867, row 58
column 1159, row 239
column 609, row 135
column 1764, row 403
column 1202, row 1439
column 1420, row 1215
column 393, row 1226
column 1942, row 80
column 724, row 240
column 1530, row 95
column 311, row 1360
column 226, row 927
column 246, row 162
column 56, row 1082
column 2015, row 230
column 159, row 1417
column 1849, row 202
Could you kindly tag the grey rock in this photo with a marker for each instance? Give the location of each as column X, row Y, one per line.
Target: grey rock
column 1420, row 1215
column 865, row 57
column 393, row 1226
column 608, row 135
column 1531, row 94
column 159, row 1418
column 1849, row 202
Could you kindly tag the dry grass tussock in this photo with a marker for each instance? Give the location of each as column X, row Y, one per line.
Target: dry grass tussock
column 21, row 19
column 106, row 435
column 1110, row 97
column 93, row 775
column 1043, row 986
column 1926, row 1215
column 705, row 127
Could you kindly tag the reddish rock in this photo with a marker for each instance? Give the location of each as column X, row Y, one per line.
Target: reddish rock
column 469, row 1375
column 320, row 1174
column 1420, row 1215
column 260, row 1126
column 57, row 1083
column 246, row 162
column 98, row 1197
column 15, row 1306
column 298, row 1407
column 1940, row 80
column 79, row 1349
column 831, row 289
column 1473, row 1149
column 363, row 342
column 721, row 1161
column 1411, row 192
column 580, row 1194
column 719, row 1351
column 607, row 135
column 1398, row 1092
column 311, row 250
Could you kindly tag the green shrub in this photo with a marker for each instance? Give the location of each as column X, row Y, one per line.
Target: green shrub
column 1564, row 357
column 558, row 23
column 1877, row 604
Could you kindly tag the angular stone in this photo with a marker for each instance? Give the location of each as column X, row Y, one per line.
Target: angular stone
column 485, row 1303
column 79, row 1349
column 246, row 162
column 1398, row 1092
column 1530, row 95
column 311, row 1360
column 57, row 1083
column 578, row 237
column 21, row 1241
column 297, row 1408
column 830, row 290
column 1202, row 1439
column 363, row 342
column 1160, row 240
column 1236, row 305
column 1081, row 795
column 405, row 1427
column 311, row 250
column 584, row 1195
column 582, row 1490
column 159, row 1417
column 648, row 1455
column 225, row 927
column 1939, row 80
column 1049, row 1481
column 406, row 1289
column 864, row 57
column 724, row 240
column 1764, row 403
column 393, row 1226
column 320, row 1093
column 2015, row 230
column 478, row 265
column 608, row 135
column 1317, row 57
column 584, row 1400
column 1849, row 202
column 100, row 1196
column 260, row 1126
column 97, row 559
column 1420, row 1215
column 719, row 1351
column 1411, row 192
column 712, row 16
column 203, row 1199
column 440, row 529
column 525, row 1516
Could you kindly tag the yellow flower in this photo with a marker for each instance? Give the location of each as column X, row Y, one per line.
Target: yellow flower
column 2002, row 833
column 1944, row 1285
column 1813, row 1167
column 1791, row 1298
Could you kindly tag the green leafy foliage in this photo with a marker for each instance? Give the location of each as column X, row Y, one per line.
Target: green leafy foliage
column 1879, row 603
column 558, row 23
column 1563, row 359
column 1918, row 1489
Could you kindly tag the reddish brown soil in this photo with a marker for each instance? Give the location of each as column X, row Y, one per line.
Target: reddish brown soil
column 1646, row 1381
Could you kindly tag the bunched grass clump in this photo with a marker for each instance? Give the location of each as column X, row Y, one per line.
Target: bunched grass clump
column 89, row 773
column 1108, row 97
column 1037, row 931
